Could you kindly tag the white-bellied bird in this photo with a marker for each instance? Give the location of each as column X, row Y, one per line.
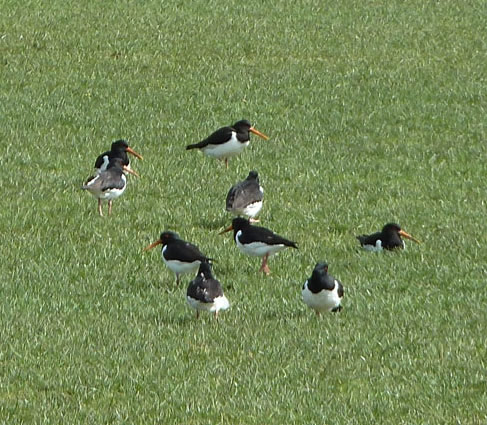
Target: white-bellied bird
column 257, row 241
column 178, row 255
column 246, row 197
column 228, row 141
column 109, row 184
column 205, row 293
column 322, row 292
column 388, row 238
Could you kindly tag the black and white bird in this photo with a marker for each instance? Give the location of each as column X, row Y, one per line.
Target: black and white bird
column 205, row 293
column 246, row 197
column 257, row 241
column 178, row 255
column 322, row 292
column 388, row 238
column 228, row 141
column 109, row 184
column 119, row 149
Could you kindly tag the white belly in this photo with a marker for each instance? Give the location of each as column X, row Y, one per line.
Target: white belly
column 258, row 249
column 250, row 210
column 219, row 303
column 180, row 267
column 322, row 301
column 226, row 150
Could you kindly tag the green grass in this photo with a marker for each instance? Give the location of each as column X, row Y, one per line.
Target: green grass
column 376, row 112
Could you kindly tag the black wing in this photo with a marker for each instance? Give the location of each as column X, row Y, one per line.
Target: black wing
column 369, row 239
column 261, row 234
column 184, row 251
column 217, row 138
column 99, row 161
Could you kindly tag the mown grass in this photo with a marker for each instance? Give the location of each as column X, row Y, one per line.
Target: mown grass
column 376, row 112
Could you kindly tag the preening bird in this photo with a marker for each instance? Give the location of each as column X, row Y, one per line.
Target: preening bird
column 246, row 197
column 205, row 293
column 109, row 184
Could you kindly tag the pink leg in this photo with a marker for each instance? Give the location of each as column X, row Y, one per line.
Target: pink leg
column 100, row 211
column 264, row 267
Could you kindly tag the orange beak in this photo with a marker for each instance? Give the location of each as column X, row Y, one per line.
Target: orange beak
column 153, row 245
column 131, row 151
column 226, row 230
column 129, row 170
column 258, row 133
column 408, row 236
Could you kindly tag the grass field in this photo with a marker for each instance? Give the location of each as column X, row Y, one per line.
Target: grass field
column 376, row 112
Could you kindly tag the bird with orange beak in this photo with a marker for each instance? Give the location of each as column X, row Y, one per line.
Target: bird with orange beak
column 388, row 238
column 119, row 149
column 109, row 184
column 178, row 255
column 228, row 141
column 257, row 241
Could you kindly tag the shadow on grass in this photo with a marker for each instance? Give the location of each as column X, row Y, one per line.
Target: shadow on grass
column 216, row 224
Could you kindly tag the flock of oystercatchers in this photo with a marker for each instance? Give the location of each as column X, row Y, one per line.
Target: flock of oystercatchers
column 321, row 292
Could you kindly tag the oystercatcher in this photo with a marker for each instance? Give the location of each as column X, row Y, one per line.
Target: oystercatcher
column 246, row 197
column 180, row 256
column 206, row 293
column 228, row 141
column 257, row 241
column 322, row 292
column 109, row 184
column 388, row 238
column 119, row 149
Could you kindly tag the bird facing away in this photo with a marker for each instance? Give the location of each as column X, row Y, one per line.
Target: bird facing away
column 322, row 292
column 178, row 255
column 205, row 293
column 388, row 238
column 109, row 184
column 119, row 149
column 246, row 197
column 227, row 141
column 257, row 241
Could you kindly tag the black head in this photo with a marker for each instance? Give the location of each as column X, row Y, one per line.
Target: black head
column 391, row 228
column 242, row 125
column 253, row 175
column 168, row 236
column 120, row 145
column 321, row 268
column 239, row 223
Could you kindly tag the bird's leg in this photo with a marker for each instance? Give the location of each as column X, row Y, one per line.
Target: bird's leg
column 216, row 315
column 100, row 211
column 177, row 282
column 264, row 267
column 317, row 313
column 110, row 207
column 226, row 163
column 197, row 314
